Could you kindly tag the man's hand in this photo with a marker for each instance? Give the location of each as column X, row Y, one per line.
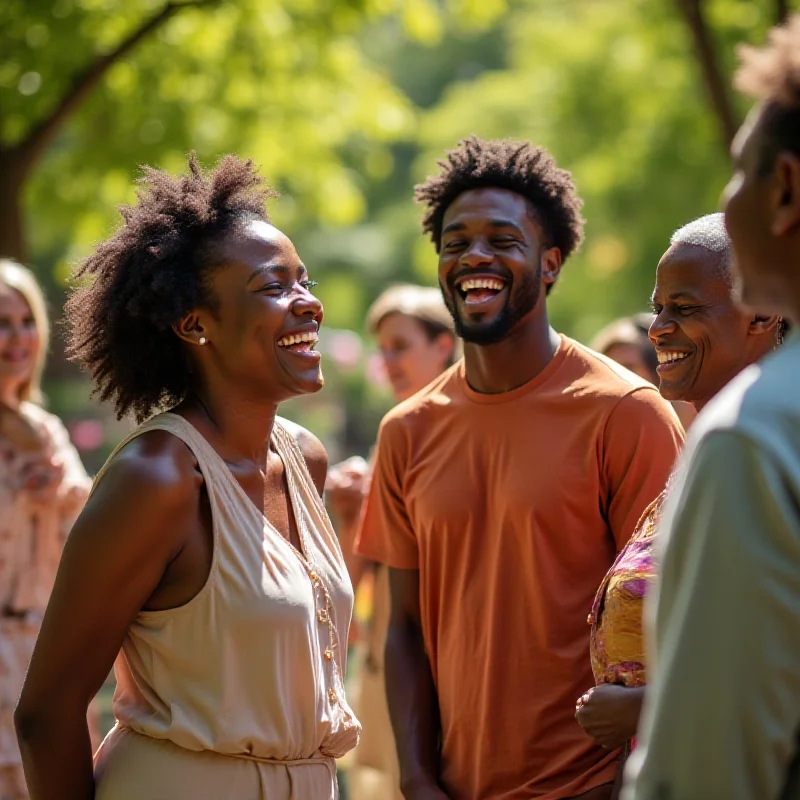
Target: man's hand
column 610, row 713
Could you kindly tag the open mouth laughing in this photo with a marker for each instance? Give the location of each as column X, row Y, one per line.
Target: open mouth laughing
column 300, row 343
column 479, row 290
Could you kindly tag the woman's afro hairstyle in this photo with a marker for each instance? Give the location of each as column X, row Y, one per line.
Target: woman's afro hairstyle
column 149, row 274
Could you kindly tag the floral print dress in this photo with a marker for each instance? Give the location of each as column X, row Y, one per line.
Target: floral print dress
column 33, row 528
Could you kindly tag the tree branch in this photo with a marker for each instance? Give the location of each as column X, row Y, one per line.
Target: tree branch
column 716, row 85
column 781, row 11
column 30, row 149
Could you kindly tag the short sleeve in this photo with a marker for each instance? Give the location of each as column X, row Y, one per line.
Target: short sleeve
column 385, row 531
column 641, row 443
column 726, row 609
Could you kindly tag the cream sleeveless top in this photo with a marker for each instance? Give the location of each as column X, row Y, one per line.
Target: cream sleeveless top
column 253, row 665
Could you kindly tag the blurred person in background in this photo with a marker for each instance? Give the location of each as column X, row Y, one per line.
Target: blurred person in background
column 43, row 487
column 417, row 342
column 626, row 340
column 204, row 561
column 501, row 493
column 721, row 719
column 702, row 340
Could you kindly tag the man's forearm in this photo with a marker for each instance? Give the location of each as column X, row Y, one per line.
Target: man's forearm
column 414, row 709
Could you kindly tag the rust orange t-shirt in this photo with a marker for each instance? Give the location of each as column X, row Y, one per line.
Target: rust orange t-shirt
column 513, row 506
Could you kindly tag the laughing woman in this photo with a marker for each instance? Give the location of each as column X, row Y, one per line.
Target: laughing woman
column 204, row 561
column 703, row 340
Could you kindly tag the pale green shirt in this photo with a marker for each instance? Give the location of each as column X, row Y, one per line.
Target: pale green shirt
column 721, row 719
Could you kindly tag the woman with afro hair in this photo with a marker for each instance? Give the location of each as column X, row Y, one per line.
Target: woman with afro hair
column 204, row 561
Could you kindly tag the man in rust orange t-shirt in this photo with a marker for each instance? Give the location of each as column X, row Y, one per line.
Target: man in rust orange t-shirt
column 500, row 496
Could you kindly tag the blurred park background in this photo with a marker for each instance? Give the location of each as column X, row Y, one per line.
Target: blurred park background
column 345, row 104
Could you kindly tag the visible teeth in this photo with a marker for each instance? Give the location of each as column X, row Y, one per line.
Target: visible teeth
column 296, row 338
column 667, row 357
column 482, row 283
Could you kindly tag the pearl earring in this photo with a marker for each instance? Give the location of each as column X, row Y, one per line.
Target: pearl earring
column 203, row 340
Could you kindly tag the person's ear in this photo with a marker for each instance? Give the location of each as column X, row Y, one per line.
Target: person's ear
column 785, row 209
column 761, row 324
column 551, row 265
column 191, row 330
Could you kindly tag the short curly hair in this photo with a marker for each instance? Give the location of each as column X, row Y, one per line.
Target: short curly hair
column 771, row 75
column 520, row 167
column 149, row 274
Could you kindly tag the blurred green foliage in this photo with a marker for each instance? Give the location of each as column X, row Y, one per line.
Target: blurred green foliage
column 283, row 82
column 613, row 89
column 346, row 103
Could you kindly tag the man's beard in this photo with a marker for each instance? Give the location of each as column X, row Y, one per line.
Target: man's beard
column 520, row 303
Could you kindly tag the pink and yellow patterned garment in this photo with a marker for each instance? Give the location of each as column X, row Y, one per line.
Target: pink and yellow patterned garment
column 616, row 642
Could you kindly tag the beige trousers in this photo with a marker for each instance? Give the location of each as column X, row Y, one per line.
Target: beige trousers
column 130, row 766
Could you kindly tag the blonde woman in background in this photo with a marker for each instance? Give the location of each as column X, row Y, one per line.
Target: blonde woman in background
column 43, row 487
column 417, row 342
column 626, row 342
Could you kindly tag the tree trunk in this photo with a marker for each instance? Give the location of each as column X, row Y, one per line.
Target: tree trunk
column 781, row 11
column 12, row 235
column 18, row 162
column 716, row 84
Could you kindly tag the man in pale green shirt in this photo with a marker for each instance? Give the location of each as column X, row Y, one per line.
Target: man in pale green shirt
column 723, row 712
column 721, row 719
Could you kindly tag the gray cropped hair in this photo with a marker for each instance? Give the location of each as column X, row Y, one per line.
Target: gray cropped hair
column 708, row 232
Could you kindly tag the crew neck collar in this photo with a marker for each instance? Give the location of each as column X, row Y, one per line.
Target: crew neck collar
column 484, row 398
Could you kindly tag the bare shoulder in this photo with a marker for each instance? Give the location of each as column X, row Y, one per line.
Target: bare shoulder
column 152, row 484
column 155, row 461
column 313, row 451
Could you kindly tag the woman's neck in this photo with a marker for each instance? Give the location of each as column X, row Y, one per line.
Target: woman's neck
column 241, row 428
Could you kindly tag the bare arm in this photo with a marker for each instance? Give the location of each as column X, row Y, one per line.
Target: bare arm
column 132, row 527
column 413, row 704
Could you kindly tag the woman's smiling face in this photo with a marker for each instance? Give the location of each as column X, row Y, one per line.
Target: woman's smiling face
column 700, row 334
column 19, row 341
column 262, row 334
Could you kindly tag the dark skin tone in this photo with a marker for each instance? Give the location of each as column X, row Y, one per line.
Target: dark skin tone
column 696, row 314
column 697, row 317
column 145, row 535
column 492, row 233
column 486, row 233
column 762, row 214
